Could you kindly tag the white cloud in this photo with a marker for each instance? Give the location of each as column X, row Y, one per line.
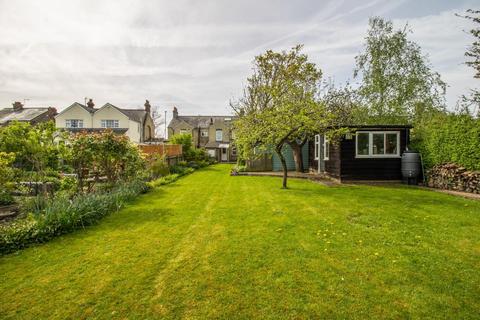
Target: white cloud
column 195, row 54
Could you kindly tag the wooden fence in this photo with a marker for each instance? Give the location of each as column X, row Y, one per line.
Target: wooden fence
column 172, row 152
column 169, row 150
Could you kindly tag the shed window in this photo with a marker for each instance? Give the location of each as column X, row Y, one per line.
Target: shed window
column 74, row 123
column 316, row 150
column 382, row 144
column 219, row 135
column 362, row 143
column 109, row 123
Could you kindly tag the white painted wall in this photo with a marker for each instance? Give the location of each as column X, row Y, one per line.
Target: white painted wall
column 110, row 113
column 75, row 112
column 95, row 121
column 133, row 132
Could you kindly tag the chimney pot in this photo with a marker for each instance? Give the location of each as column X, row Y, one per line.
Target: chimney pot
column 175, row 113
column 147, row 105
column 90, row 103
column 52, row 111
column 17, row 106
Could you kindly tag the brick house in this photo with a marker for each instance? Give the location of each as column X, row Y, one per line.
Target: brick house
column 214, row 133
column 31, row 115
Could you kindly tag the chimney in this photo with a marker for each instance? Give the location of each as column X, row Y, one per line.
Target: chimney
column 17, row 106
column 211, row 121
column 175, row 113
column 52, row 112
column 147, row 105
column 90, row 103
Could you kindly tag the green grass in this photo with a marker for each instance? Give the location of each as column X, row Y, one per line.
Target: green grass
column 215, row 246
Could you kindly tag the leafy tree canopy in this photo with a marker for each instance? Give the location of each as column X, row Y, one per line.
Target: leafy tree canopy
column 280, row 104
column 397, row 84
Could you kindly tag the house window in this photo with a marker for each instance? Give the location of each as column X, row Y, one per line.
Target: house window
column 183, row 131
column 326, row 149
column 219, row 135
column 109, row 123
column 316, row 151
column 382, row 144
column 211, row 153
column 74, row 123
column 204, row 133
column 232, row 135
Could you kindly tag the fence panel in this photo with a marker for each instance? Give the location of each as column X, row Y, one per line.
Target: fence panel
column 169, row 150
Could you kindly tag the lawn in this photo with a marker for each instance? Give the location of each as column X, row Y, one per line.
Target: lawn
column 215, row 246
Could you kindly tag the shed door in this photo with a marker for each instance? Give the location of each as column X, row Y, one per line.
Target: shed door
column 319, row 141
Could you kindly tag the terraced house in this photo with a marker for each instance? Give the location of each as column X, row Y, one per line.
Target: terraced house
column 32, row 115
column 137, row 124
column 214, row 133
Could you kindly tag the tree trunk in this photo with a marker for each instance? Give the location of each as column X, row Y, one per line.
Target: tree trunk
column 297, row 156
column 297, row 153
column 284, row 166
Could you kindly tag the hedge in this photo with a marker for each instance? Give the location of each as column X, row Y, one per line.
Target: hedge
column 449, row 138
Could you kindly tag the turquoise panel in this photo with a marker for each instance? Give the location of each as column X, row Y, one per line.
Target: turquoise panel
column 288, row 154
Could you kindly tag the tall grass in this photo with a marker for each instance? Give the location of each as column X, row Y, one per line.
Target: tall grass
column 62, row 215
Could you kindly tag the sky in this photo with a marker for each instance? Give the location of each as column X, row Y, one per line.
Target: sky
column 196, row 55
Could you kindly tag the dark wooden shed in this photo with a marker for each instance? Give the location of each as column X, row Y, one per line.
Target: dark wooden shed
column 367, row 153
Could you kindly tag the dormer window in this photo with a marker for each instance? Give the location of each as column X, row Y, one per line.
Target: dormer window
column 204, row 133
column 109, row 123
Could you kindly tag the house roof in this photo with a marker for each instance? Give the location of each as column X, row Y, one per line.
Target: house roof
column 86, row 108
column 202, row 121
column 137, row 115
column 25, row 114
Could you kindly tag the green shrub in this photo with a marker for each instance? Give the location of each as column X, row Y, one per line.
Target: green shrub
column 193, row 164
column 178, row 169
column 179, row 172
column 449, row 138
column 6, row 197
column 164, row 180
column 33, row 204
column 159, row 168
column 62, row 215
column 185, row 140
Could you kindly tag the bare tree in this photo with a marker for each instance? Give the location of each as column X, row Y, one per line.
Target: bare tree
column 159, row 121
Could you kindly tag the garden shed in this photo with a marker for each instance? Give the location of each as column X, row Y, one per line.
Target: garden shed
column 370, row 152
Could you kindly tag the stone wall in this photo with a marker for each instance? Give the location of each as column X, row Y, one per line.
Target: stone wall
column 453, row 177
